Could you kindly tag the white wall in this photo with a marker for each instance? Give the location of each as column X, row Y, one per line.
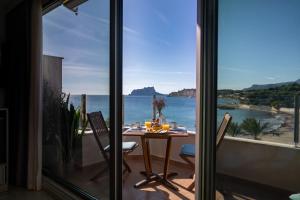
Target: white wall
column 52, row 72
column 268, row 163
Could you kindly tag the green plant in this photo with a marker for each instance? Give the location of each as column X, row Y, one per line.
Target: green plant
column 254, row 127
column 61, row 124
column 71, row 130
column 234, row 129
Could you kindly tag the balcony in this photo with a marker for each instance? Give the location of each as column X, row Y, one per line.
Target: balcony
column 246, row 169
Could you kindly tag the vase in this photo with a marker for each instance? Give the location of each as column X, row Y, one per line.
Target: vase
column 162, row 118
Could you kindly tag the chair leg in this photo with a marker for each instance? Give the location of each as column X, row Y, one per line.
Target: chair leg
column 126, row 166
column 192, row 185
column 191, row 164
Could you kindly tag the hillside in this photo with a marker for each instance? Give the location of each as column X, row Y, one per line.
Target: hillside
column 183, row 93
column 268, row 86
column 279, row 96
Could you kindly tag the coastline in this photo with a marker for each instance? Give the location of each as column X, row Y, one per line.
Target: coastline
column 289, row 111
column 283, row 134
column 138, row 108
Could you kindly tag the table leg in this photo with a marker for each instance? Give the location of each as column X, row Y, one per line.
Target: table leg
column 150, row 176
column 148, row 173
column 146, row 157
column 149, row 155
column 167, row 157
column 166, row 167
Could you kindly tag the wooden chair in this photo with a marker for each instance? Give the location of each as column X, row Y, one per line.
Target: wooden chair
column 188, row 150
column 101, row 134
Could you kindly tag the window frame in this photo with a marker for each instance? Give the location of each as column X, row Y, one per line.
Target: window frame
column 206, row 111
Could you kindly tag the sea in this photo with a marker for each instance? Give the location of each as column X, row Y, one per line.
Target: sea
column 181, row 110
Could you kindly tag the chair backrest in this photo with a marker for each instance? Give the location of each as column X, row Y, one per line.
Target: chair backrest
column 223, row 128
column 100, row 131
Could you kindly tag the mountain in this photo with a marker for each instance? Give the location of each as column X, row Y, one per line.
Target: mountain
column 183, row 93
column 146, row 91
column 268, row 86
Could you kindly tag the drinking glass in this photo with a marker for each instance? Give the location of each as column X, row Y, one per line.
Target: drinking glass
column 147, row 124
column 166, row 127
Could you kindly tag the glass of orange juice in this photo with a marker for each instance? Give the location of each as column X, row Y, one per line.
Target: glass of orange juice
column 166, row 127
column 147, row 125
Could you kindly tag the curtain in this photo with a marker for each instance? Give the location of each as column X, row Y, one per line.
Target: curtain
column 24, row 75
column 18, row 76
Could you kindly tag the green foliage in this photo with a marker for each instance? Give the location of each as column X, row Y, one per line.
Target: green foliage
column 254, row 127
column 71, row 126
column 282, row 96
column 61, row 123
column 234, row 129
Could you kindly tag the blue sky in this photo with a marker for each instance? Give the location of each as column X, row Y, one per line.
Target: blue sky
column 159, row 45
column 259, row 42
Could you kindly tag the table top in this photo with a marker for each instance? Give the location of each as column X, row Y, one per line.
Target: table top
column 144, row 133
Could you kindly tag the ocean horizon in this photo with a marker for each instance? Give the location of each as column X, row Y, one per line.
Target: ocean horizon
column 181, row 110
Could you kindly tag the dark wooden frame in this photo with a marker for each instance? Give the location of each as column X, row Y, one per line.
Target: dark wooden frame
column 206, row 114
column 116, row 98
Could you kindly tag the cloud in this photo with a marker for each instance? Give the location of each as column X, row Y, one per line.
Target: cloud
column 161, row 17
column 85, row 79
column 79, row 32
column 83, row 70
column 130, row 30
column 270, row 78
column 155, row 72
column 236, row 69
column 98, row 19
column 88, row 87
column 106, row 21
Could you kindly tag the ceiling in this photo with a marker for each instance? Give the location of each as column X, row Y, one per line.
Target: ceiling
column 6, row 5
column 3, row 3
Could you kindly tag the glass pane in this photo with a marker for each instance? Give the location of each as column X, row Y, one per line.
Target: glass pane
column 258, row 68
column 76, row 82
column 159, row 63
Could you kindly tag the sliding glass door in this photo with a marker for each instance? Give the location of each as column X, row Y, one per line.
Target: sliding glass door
column 77, row 73
column 258, row 84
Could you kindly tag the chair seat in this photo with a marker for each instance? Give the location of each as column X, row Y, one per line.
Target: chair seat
column 188, row 150
column 126, row 146
column 295, row 197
